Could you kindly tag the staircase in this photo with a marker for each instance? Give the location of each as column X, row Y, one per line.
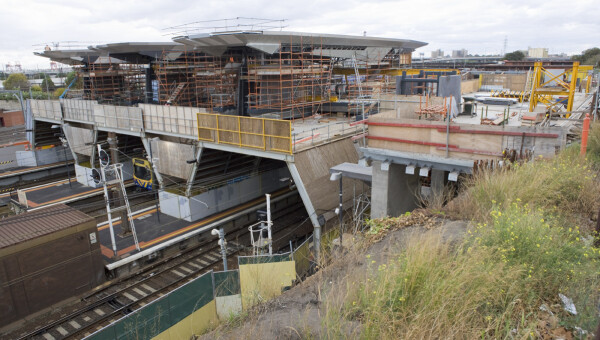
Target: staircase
column 176, row 92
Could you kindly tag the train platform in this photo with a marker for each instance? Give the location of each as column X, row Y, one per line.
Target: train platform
column 53, row 193
column 153, row 228
column 19, row 170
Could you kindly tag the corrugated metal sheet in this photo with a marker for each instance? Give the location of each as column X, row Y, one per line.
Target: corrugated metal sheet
column 31, row 225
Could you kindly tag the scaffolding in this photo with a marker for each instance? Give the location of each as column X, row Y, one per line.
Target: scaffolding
column 113, row 82
column 368, row 82
column 291, row 83
column 196, row 79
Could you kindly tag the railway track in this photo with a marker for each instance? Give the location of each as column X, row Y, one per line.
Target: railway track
column 110, row 306
column 126, row 295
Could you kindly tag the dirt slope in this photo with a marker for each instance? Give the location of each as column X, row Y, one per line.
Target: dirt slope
column 297, row 314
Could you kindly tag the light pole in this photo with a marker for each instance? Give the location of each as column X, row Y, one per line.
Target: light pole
column 221, row 233
column 337, row 176
column 20, row 99
column 64, row 142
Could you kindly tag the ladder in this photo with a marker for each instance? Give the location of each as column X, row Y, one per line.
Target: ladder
column 117, row 171
column 176, row 92
column 357, row 75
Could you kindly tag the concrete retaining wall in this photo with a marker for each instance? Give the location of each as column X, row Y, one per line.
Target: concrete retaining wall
column 171, row 158
column 313, row 165
column 467, row 141
column 78, row 138
column 469, row 86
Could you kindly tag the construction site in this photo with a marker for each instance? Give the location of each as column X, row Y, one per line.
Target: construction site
column 212, row 172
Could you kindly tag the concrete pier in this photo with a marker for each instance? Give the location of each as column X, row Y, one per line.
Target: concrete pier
column 394, row 192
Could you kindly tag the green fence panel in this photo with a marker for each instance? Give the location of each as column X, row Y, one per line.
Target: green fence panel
column 145, row 323
column 303, row 258
column 191, row 297
column 227, row 283
column 159, row 315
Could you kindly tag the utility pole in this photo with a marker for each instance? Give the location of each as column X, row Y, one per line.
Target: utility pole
column 269, row 224
column 116, row 193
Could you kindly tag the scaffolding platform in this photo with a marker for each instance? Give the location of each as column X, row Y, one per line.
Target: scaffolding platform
column 59, row 192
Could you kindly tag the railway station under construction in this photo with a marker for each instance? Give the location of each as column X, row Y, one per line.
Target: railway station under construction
column 257, row 139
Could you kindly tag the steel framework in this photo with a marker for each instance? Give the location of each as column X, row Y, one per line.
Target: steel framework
column 543, row 90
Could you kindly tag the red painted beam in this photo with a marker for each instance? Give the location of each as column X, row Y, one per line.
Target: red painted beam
column 408, row 141
column 364, row 121
column 458, row 129
column 425, row 126
column 307, row 138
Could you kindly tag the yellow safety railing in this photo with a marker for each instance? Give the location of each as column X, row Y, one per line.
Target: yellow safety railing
column 257, row 133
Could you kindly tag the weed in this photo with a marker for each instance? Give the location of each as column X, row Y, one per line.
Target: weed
column 566, row 183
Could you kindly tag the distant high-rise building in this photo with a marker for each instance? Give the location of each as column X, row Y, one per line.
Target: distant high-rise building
column 539, row 52
column 459, row 53
column 437, row 54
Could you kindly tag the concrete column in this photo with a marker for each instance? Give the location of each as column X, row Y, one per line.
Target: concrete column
column 394, row 192
column 312, row 214
column 438, row 181
column 379, row 191
column 71, row 141
column 190, row 181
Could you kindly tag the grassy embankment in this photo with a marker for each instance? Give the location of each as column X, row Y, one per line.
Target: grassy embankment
column 531, row 241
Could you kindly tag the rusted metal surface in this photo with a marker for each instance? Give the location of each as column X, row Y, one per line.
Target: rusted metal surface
column 25, row 227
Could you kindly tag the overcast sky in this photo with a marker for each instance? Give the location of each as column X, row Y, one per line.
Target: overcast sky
column 476, row 25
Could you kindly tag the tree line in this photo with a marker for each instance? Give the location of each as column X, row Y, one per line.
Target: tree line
column 590, row 56
column 19, row 81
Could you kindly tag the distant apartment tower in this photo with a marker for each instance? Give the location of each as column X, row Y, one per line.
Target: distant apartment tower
column 459, row 53
column 538, row 52
column 437, row 54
